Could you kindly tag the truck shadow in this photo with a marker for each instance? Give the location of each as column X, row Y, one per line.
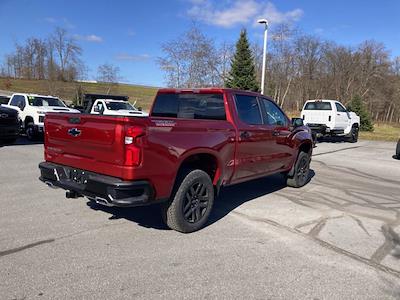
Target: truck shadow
column 332, row 139
column 21, row 141
column 228, row 199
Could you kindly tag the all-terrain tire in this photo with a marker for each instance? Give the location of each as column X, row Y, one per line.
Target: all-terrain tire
column 190, row 206
column 30, row 132
column 301, row 172
column 353, row 137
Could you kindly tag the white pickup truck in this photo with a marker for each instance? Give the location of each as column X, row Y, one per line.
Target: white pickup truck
column 330, row 118
column 32, row 109
column 111, row 107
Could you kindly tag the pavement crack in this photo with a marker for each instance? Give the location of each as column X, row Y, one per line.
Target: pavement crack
column 308, row 223
column 339, row 150
column 372, row 263
column 358, row 221
column 22, row 248
column 318, row 227
column 392, row 240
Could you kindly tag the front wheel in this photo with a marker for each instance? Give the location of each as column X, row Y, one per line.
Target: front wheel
column 353, row 138
column 301, row 172
column 30, row 132
column 191, row 205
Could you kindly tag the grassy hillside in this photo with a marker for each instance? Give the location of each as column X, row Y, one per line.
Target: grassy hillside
column 69, row 90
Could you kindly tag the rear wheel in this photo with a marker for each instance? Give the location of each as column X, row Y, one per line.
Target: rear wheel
column 301, row 172
column 191, row 205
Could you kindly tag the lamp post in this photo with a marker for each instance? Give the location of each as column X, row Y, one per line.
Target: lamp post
column 265, row 22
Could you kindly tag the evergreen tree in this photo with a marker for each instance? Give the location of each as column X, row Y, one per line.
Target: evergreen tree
column 242, row 74
column 356, row 105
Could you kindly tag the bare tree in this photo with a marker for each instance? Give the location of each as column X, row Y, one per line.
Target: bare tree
column 192, row 60
column 108, row 73
column 67, row 52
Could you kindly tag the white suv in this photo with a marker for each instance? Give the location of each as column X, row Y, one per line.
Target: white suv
column 330, row 118
column 32, row 109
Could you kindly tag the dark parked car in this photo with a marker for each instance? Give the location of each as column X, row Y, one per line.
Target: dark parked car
column 9, row 124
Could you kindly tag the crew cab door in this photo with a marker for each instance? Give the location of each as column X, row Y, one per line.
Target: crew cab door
column 19, row 103
column 342, row 116
column 281, row 151
column 255, row 142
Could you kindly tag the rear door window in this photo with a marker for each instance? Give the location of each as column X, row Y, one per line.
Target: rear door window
column 248, row 109
column 190, row 106
column 320, row 105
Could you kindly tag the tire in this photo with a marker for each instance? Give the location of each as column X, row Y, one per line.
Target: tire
column 398, row 150
column 190, row 207
column 30, row 132
column 353, row 138
column 301, row 172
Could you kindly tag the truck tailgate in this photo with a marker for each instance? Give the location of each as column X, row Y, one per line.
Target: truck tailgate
column 318, row 117
column 89, row 142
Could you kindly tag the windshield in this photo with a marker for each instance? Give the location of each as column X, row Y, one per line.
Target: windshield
column 45, row 101
column 119, row 106
column 318, row 106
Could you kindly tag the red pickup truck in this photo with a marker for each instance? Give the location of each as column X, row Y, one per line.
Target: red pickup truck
column 193, row 143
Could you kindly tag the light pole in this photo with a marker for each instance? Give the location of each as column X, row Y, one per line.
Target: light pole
column 265, row 22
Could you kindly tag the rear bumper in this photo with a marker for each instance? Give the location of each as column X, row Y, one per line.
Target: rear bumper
column 106, row 190
column 9, row 131
column 322, row 129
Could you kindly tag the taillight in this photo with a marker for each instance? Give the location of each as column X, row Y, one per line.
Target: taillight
column 133, row 153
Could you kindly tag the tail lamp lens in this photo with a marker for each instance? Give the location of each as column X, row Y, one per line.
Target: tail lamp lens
column 132, row 146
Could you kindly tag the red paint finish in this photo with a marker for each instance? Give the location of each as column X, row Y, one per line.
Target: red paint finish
column 154, row 148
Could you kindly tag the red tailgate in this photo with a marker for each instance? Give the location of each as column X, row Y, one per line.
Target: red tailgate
column 89, row 142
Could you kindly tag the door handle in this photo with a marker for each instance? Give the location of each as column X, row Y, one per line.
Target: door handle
column 276, row 133
column 244, row 135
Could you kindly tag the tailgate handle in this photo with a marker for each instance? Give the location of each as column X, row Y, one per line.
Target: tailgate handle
column 74, row 120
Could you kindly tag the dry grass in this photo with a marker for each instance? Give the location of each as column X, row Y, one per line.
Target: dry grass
column 68, row 90
column 382, row 132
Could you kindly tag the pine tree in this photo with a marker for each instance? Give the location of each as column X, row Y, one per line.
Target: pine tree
column 356, row 105
column 242, row 74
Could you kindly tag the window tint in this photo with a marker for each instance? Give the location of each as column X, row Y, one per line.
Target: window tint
column 340, row 108
column 248, row 109
column 18, row 101
column 14, row 101
column 274, row 116
column 190, row 106
column 318, row 106
column 45, row 101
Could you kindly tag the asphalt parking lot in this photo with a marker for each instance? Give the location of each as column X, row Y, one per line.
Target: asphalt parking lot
column 336, row 238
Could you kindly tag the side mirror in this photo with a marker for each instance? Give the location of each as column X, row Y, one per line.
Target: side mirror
column 99, row 109
column 297, row 122
column 140, row 108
